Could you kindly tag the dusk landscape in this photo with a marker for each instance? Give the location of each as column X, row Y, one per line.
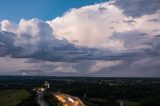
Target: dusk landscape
column 80, row 53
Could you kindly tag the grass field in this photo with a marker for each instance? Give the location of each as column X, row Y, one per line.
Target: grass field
column 12, row 97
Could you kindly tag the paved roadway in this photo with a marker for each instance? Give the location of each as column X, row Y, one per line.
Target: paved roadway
column 67, row 100
column 40, row 99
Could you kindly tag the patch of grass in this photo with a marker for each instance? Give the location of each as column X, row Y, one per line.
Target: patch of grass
column 12, row 97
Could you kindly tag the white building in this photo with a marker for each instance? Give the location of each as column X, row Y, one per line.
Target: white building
column 46, row 84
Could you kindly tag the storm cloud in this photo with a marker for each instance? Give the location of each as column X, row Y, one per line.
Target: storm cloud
column 115, row 38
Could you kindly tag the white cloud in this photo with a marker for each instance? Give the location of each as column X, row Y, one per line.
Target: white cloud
column 147, row 24
column 94, row 25
column 65, row 69
column 6, row 25
column 28, row 31
column 91, row 26
column 100, row 65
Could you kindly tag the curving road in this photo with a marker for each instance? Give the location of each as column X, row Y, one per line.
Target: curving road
column 40, row 99
column 67, row 100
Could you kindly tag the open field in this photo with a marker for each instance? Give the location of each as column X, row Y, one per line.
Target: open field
column 12, row 97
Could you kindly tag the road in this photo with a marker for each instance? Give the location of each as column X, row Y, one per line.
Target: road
column 40, row 99
column 67, row 100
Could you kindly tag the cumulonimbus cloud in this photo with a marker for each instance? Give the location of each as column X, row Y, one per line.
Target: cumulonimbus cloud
column 110, row 34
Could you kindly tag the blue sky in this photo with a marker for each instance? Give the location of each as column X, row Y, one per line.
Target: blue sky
column 42, row 9
column 116, row 38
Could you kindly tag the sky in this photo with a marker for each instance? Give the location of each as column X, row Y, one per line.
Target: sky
column 42, row 9
column 96, row 38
